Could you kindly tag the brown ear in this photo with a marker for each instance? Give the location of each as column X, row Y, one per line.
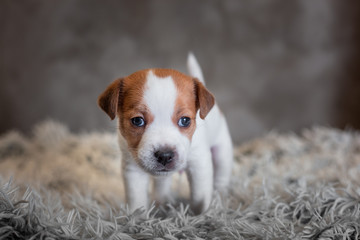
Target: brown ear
column 204, row 99
column 109, row 99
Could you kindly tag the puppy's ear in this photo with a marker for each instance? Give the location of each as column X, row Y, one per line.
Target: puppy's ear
column 109, row 100
column 204, row 99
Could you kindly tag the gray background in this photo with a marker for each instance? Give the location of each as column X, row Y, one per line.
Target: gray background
column 272, row 64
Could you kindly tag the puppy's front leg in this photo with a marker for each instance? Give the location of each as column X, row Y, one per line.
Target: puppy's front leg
column 136, row 186
column 222, row 155
column 200, row 175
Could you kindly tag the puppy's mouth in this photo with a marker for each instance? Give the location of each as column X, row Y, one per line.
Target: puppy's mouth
column 163, row 170
column 160, row 170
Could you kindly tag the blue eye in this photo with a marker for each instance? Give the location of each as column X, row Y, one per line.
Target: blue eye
column 184, row 122
column 138, row 121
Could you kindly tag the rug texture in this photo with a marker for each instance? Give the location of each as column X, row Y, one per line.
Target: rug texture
column 59, row 185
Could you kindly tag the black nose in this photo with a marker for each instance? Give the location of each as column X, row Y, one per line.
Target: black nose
column 164, row 156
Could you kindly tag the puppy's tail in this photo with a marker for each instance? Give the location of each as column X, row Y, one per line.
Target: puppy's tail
column 194, row 67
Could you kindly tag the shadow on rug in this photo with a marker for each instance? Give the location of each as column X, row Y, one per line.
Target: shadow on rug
column 284, row 186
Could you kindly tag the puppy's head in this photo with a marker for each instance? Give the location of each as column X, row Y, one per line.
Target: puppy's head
column 157, row 115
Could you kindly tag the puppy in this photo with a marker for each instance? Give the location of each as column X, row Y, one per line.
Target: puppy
column 168, row 122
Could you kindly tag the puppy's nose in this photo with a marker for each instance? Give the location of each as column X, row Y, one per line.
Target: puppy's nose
column 164, row 156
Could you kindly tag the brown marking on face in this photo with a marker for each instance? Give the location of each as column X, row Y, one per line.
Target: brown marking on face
column 133, row 106
column 124, row 98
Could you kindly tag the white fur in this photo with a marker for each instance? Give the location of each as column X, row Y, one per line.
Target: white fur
column 210, row 146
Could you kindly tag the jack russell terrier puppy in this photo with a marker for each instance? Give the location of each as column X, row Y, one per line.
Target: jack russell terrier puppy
column 168, row 122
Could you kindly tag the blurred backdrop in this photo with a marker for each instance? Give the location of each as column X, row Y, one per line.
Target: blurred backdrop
column 272, row 64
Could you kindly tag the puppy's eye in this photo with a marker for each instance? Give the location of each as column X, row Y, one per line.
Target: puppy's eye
column 184, row 122
column 138, row 121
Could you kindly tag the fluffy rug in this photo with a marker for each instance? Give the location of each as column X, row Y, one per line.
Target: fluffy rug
column 59, row 185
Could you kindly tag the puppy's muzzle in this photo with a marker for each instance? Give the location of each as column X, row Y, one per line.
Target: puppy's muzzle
column 165, row 156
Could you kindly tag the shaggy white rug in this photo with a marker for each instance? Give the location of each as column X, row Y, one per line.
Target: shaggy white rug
column 284, row 186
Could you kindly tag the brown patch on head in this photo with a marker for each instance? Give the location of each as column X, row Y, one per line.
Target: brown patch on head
column 133, row 106
column 124, row 97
